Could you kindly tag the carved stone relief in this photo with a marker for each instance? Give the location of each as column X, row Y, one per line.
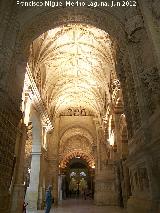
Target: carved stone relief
column 151, row 79
column 139, row 180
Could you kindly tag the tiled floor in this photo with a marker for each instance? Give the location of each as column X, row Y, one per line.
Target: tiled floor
column 83, row 206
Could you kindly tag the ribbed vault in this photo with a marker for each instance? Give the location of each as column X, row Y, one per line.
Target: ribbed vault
column 71, row 65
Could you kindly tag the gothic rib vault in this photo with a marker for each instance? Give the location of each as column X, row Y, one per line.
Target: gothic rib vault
column 72, row 65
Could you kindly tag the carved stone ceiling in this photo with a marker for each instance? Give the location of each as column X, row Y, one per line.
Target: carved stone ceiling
column 71, row 66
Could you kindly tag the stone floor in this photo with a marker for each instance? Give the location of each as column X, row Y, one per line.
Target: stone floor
column 83, row 206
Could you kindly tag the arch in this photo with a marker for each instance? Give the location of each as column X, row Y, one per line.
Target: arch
column 49, row 19
column 76, row 131
column 78, row 153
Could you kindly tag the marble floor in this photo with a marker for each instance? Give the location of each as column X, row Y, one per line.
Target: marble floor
column 82, row 206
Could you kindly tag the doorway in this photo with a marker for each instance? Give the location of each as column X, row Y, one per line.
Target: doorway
column 78, row 180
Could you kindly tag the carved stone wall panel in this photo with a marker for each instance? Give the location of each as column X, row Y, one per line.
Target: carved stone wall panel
column 9, row 119
column 143, row 61
column 105, row 188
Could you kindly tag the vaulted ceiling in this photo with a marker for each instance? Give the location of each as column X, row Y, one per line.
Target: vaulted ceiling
column 71, row 66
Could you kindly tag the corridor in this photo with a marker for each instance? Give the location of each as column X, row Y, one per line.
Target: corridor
column 81, row 206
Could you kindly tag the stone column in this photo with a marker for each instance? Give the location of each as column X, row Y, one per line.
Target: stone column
column 53, row 168
column 60, row 180
column 32, row 194
column 32, row 191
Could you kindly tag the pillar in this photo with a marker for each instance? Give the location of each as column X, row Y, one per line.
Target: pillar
column 53, row 161
column 104, row 177
column 32, row 194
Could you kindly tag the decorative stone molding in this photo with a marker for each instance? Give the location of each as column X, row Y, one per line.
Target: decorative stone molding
column 36, row 98
column 77, row 153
